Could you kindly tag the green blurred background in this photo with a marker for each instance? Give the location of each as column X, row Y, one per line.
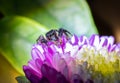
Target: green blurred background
column 22, row 21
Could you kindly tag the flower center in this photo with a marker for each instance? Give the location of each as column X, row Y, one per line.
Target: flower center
column 102, row 60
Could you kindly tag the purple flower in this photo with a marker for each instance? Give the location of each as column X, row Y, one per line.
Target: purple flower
column 75, row 60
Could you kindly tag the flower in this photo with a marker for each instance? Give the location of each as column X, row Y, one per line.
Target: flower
column 75, row 60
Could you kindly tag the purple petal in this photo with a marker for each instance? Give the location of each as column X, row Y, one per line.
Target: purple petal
column 52, row 75
column 89, row 81
column 76, row 79
column 72, row 49
column 117, row 48
column 32, row 76
column 83, row 40
column 48, row 58
column 33, row 66
column 118, row 45
column 49, row 73
column 58, row 49
column 112, row 48
column 106, row 42
column 94, row 40
column 56, row 60
column 37, row 53
column 103, row 42
column 50, row 51
column 110, row 43
column 39, row 63
column 60, row 65
column 64, row 40
column 111, row 40
column 65, row 72
column 74, row 40
column 44, row 80
column 61, row 79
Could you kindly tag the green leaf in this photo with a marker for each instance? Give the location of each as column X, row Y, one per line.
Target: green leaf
column 22, row 79
column 29, row 8
column 17, row 35
column 73, row 15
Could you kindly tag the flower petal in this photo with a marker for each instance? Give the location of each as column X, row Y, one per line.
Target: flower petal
column 33, row 76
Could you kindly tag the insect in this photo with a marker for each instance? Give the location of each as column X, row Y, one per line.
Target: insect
column 41, row 39
column 54, row 36
column 62, row 32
